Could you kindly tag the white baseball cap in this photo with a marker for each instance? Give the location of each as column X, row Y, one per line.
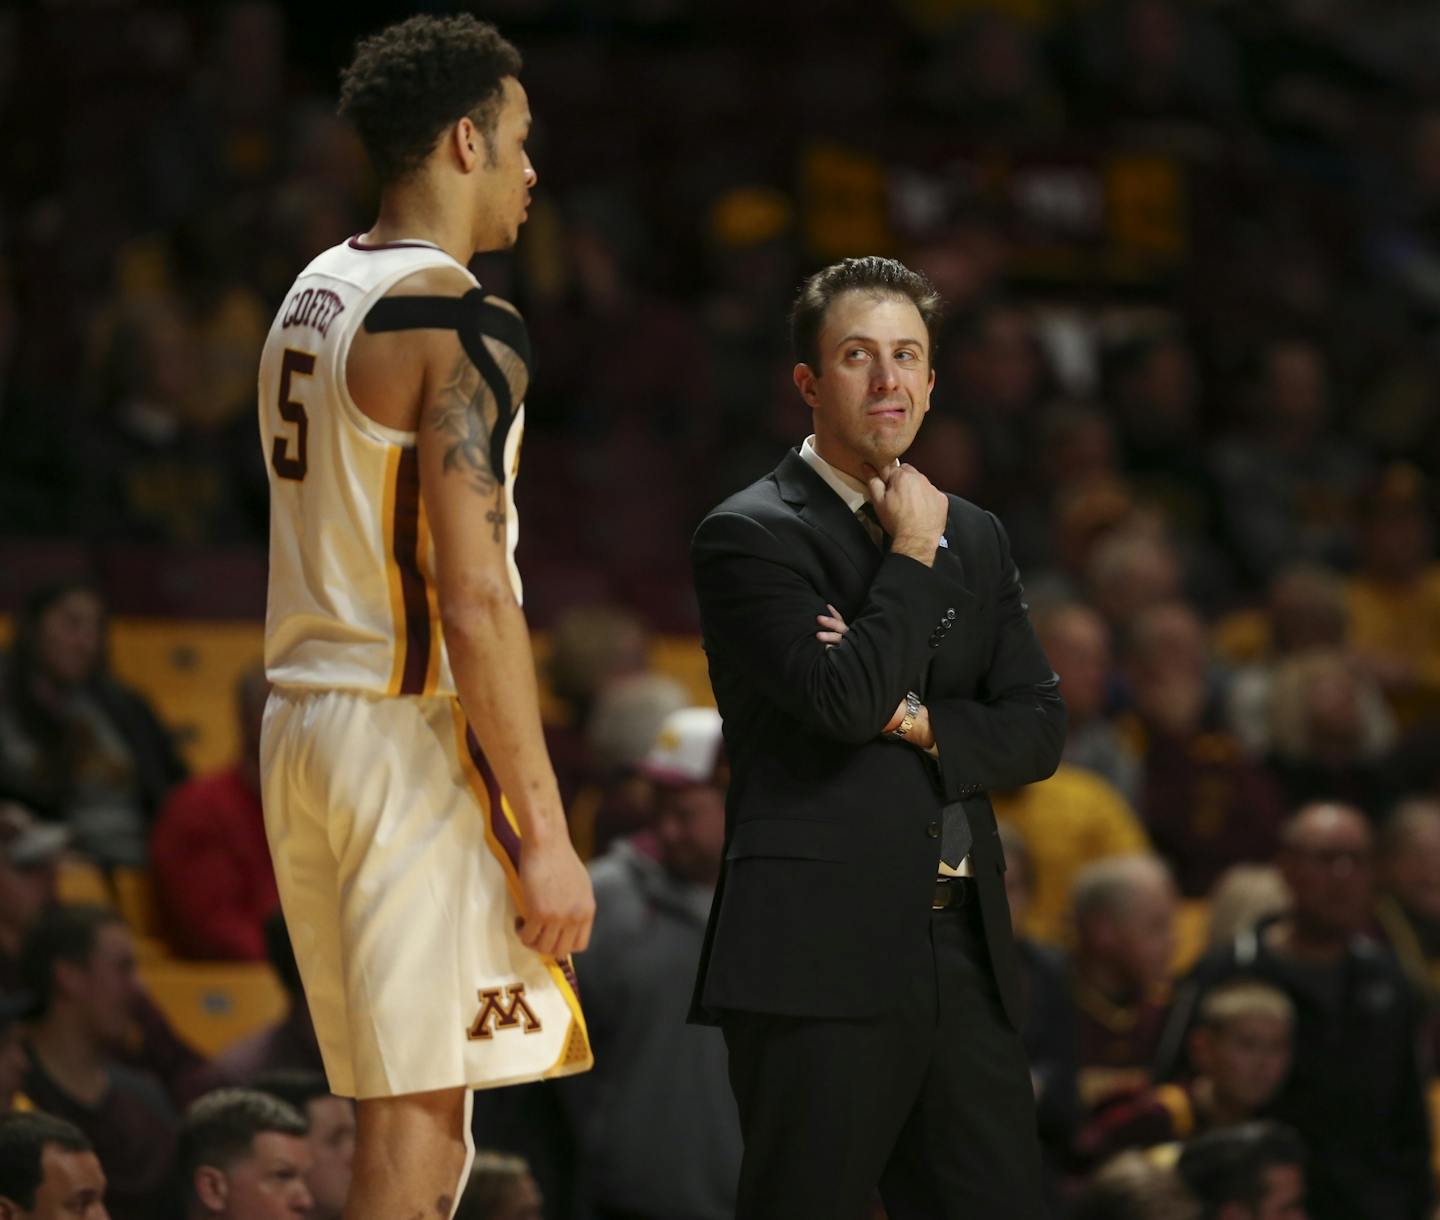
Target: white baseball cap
column 688, row 749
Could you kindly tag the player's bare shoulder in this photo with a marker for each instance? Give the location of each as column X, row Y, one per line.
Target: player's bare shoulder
column 477, row 373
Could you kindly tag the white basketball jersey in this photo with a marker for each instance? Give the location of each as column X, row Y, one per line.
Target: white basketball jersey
column 352, row 600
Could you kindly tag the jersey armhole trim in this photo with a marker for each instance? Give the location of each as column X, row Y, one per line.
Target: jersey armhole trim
column 371, row 428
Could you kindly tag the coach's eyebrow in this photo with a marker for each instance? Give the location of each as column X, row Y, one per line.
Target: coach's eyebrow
column 876, row 342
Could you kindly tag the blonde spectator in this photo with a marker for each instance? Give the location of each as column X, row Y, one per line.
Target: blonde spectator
column 1243, row 896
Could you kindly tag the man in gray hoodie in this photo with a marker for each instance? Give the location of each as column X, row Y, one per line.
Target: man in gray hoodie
column 658, row 1133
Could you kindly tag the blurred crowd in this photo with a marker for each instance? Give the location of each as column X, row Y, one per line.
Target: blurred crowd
column 1192, row 256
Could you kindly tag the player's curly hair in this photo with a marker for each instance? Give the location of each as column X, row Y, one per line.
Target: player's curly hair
column 410, row 81
column 884, row 277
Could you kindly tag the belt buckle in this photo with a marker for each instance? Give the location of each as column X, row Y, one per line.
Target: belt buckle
column 950, row 892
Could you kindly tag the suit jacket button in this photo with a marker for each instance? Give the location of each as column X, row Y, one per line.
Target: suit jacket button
column 933, row 830
column 950, row 615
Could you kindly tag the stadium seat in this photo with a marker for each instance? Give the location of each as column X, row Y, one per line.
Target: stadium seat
column 81, row 880
column 212, row 1005
column 135, row 896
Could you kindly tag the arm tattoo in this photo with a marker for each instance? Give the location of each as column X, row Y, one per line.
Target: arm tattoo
column 465, row 413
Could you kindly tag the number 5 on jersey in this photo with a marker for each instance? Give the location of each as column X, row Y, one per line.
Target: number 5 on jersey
column 289, row 459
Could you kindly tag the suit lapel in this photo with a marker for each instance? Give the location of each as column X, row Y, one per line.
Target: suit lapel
column 821, row 509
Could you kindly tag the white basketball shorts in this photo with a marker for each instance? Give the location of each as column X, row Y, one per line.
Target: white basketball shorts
column 395, row 854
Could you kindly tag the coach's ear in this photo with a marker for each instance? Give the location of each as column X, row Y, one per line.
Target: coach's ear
column 212, row 1188
column 805, row 377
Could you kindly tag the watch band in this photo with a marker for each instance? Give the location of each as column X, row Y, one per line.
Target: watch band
column 907, row 722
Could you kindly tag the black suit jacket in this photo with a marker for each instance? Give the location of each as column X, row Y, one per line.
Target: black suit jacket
column 832, row 832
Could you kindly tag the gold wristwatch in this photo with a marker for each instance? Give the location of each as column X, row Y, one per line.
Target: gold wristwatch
column 907, row 722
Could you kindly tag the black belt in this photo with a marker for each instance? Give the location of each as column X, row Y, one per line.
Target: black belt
column 952, row 892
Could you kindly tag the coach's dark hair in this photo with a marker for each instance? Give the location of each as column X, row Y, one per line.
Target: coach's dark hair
column 23, row 1140
column 220, row 1128
column 883, row 277
column 66, row 932
column 1228, row 1165
column 410, row 81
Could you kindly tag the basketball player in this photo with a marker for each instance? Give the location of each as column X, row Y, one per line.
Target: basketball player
column 402, row 752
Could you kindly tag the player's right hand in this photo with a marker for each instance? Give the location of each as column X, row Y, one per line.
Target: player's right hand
column 557, row 903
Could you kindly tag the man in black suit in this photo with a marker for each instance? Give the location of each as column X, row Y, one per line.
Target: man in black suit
column 859, row 955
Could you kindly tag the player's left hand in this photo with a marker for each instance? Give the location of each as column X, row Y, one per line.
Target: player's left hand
column 833, row 625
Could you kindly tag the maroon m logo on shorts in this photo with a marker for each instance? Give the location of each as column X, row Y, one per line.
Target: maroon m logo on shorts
column 496, row 1014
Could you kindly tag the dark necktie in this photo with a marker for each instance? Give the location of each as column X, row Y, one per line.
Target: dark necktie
column 955, row 836
column 870, row 519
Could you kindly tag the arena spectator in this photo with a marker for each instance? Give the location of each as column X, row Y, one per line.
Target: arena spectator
column 1240, row 1052
column 658, row 1133
column 1289, row 486
column 590, row 647
column 48, row 1171
column 1151, row 381
column 1076, row 641
column 1158, row 62
column 1394, row 599
column 14, row 1062
column 1049, row 1032
column 209, row 858
column 1304, row 612
column 331, row 1121
column 1252, row 1171
column 1205, row 803
column 1322, row 747
column 79, row 964
column 615, row 801
column 1124, row 913
column 29, row 853
column 244, row 1156
column 1074, row 447
column 500, row 1188
column 156, row 467
column 1355, row 1092
column 997, row 373
column 1407, row 907
column 77, row 746
column 1134, row 1187
column 1084, row 519
column 1066, row 821
column 1129, row 571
